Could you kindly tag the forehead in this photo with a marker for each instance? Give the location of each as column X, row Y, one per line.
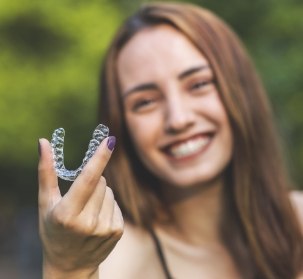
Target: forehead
column 157, row 52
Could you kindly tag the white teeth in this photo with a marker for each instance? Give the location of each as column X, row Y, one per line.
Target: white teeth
column 189, row 147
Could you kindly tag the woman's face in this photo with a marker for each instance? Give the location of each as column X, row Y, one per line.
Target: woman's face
column 173, row 111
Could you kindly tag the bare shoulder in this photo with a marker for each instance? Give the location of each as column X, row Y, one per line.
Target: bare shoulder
column 133, row 254
column 296, row 198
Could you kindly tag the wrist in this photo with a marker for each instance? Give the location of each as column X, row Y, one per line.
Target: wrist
column 51, row 272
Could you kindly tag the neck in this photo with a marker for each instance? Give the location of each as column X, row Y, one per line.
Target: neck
column 196, row 213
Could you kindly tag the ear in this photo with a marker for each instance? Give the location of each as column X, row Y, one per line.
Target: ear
column 296, row 198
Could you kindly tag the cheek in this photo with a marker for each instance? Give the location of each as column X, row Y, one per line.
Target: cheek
column 219, row 115
column 143, row 131
column 227, row 132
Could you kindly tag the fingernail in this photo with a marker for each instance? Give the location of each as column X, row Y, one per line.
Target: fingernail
column 39, row 148
column 111, row 143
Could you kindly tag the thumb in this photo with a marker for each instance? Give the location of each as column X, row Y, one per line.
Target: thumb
column 49, row 192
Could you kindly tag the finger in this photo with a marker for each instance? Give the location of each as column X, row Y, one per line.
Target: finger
column 113, row 234
column 96, row 165
column 84, row 186
column 118, row 222
column 48, row 182
column 94, row 204
column 106, row 213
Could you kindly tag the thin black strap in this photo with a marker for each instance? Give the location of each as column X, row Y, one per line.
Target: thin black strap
column 161, row 254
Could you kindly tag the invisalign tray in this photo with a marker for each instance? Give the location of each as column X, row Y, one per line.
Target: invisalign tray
column 57, row 143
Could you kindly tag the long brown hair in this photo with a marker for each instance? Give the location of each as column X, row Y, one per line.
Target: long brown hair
column 259, row 227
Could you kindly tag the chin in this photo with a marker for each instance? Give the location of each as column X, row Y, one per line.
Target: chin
column 189, row 182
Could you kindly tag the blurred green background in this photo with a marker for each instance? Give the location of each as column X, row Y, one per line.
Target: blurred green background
column 50, row 55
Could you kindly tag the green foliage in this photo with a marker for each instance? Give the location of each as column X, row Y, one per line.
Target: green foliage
column 51, row 53
column 50, row 58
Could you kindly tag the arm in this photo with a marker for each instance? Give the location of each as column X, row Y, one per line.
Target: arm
column 77, row 230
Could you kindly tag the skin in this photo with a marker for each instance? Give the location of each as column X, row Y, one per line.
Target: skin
column 176, row 104
column 167, row 85
column 182, row 105
column 77, row 230
column 161, row 109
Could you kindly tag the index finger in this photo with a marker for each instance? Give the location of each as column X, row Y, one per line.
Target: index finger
column 84, row 186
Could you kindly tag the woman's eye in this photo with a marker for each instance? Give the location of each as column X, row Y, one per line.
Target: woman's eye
column 142, row 104
column 200, row 85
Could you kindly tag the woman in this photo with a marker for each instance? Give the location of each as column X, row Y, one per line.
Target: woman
column 197, row 172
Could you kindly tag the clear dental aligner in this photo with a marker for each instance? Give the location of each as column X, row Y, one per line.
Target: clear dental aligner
column 57, row 143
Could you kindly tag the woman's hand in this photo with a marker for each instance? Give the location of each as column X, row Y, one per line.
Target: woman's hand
column 77, row 230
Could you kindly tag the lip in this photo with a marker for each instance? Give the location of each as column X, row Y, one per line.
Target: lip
column 167, row 148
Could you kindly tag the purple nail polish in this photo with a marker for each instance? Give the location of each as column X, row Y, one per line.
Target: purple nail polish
column 111, row 141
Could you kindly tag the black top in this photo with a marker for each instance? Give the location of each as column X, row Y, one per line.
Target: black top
column 161, row 255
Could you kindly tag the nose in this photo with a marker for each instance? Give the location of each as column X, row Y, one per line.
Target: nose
column 179, row 115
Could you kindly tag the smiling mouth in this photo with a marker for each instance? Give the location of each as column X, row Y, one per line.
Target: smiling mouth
column 189, row 147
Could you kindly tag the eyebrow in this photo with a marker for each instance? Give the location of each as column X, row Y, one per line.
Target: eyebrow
column 192, row 71
column 141, row 87
column 151, row 86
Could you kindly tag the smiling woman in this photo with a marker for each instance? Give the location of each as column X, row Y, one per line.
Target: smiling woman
column 188, row 140
column 197, row 173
